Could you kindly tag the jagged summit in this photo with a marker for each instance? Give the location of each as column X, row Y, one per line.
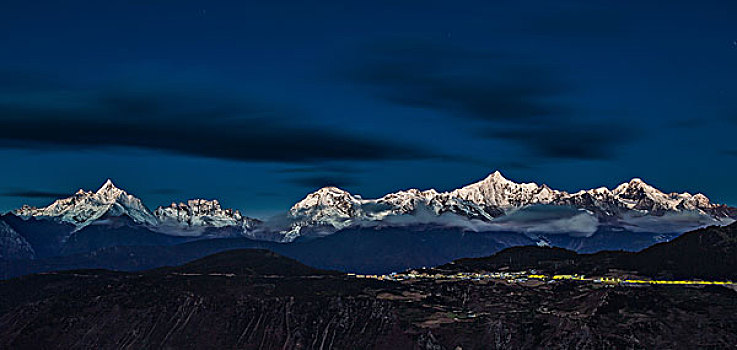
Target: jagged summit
column 85, row 207
column 109, row 187
column 497, row 191
column 197, row 213
column 495, row 196
column 636, row 184
column 332, row 208
column 495, row 177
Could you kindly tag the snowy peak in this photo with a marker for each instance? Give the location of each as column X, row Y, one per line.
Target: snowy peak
column 327, row 198
column 337, row 208
column 635, row 188
column 331, row 208
column 109, row 191
column 198, row 213
column 496, row 178
column 496, row 191
column 496, row 196
column 327, row 207
column 85, row 207
column 638, row 195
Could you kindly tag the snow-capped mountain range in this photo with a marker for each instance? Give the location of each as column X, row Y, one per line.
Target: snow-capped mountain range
column 198, row 213
column 331, row 208
column 494, row 200
column 86, row 207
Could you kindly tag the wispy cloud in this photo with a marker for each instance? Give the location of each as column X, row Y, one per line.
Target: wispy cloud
column 35, row 194
column 515, row 99
column 196, row 123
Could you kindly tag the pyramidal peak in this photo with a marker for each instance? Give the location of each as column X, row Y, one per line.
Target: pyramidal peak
column 107, row 186
column 496, row 176
column 109, row 189
column 84, row 207
column 498, row 179
column 326, row 196
column 636, row 182
column 495, row 196
column 635, row 185
column 331, row 190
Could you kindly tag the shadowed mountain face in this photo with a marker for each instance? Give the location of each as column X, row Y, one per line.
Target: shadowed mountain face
column 13, row 245
column 46, row 237
column 362, row 250
column 258, row 299
column 359, row 249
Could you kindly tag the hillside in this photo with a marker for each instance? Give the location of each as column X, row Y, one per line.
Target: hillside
column 257, row 299
column 709, row 253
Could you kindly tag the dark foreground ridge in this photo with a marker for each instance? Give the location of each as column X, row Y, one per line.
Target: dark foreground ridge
column 258, row 299
column 248, row 262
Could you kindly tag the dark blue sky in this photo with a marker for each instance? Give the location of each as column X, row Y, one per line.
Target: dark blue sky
column 259, row 103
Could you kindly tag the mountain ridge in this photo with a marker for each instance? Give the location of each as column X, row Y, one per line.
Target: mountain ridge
column 496, row 196
column 492, row 203
column 86, row 207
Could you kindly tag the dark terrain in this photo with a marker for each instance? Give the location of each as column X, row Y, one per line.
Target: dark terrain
column 255, row 299
column 372, row 250
column 126, row 246
column 708, row 253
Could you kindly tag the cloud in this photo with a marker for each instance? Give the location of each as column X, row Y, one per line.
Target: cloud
column 466, row 83
column 319, row 168
column 422, row 215
column 195, row 123
column 515, row 99
column 533, row 220
column 672, row 222
column 548, row 219
column 35, row 194
column 570, row 140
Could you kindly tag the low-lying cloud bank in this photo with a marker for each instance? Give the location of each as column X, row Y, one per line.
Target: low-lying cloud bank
column 672, row 222
column 554, row 220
